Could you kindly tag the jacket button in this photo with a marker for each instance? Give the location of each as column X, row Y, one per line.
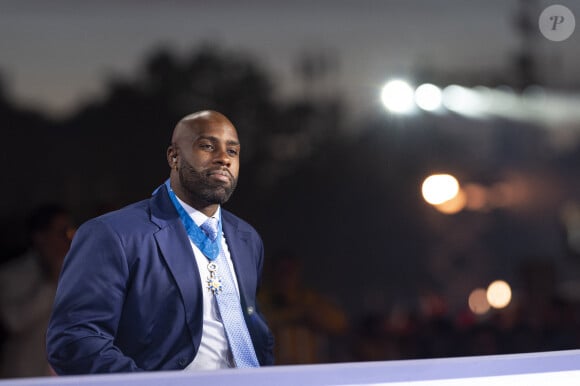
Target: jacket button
column 250, row 310
column 182, row 362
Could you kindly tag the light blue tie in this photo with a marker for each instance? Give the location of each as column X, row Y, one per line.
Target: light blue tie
column 230, row 307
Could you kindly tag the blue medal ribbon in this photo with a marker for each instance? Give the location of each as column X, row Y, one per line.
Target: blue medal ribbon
column 210, row 248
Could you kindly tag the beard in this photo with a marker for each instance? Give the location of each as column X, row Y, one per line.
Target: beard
column 199, row 187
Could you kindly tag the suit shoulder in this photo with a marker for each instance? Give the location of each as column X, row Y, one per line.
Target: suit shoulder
column 130, row 217
column 241, row 225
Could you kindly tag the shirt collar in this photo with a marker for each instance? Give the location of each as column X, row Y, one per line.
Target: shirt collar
column 197, row 216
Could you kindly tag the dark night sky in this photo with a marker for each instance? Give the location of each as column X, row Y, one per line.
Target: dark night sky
column 57, row 53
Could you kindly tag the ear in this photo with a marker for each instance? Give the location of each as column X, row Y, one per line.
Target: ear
column 172, row 157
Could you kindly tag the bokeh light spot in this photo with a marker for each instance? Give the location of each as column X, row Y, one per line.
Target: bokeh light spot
column 428, row 97
column 499, row 294
column 454, row 205
column 439, row 188
column 477, row 301
column 398, row 96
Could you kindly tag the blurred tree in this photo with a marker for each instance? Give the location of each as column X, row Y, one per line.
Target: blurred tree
column 112, row 151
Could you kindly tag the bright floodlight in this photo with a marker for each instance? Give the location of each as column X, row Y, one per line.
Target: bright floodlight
column 397, row 96
column 439, row 188
column 463, row 100
column 428, row 97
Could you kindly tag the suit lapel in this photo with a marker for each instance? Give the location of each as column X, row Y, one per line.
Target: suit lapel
column 240, row 253
column 176, row 250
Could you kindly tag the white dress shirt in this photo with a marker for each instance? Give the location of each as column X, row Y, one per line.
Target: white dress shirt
column 214, row 351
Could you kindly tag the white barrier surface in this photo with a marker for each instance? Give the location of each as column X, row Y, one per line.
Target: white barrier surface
column 534, row 369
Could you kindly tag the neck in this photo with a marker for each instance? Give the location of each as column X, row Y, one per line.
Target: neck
column 209, row 210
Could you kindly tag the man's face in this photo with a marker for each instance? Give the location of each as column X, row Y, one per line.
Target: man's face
column 209, row 161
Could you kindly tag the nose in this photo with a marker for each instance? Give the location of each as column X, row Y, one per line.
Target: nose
column 222, row 157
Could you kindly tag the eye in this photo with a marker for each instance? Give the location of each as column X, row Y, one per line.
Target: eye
column 206, row 146
column 233, row 152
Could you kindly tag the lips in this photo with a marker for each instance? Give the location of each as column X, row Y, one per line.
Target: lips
column 220, row 175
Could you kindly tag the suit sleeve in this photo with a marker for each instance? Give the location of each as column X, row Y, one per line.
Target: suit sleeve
column 88, row 305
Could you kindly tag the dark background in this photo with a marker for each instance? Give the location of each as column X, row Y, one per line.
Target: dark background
column 325, row 179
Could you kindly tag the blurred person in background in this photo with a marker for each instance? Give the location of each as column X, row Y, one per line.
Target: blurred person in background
column 27, row 288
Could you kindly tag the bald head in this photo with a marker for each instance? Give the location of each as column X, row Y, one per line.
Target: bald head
column 204, row 159
column 189, row 123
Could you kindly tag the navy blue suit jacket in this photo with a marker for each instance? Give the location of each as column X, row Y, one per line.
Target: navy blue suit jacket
column 129, row 296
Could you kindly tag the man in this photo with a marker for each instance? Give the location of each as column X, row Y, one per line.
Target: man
column 137, row 291
column 27, row 287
